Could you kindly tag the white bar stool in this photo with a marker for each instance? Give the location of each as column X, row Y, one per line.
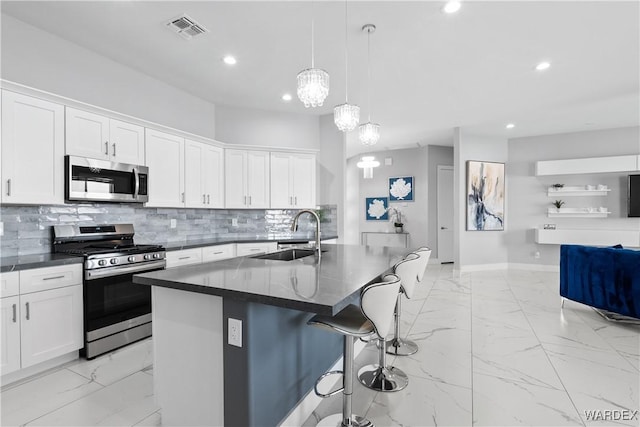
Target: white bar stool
column 410, row 274
column 374, row 315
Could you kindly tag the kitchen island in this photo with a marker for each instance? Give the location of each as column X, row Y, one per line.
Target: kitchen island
column 202, row 379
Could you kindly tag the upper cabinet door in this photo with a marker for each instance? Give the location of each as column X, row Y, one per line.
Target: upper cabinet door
column 235, row 189
column 281, row 196
column 303, row 180
column 87, row 134
column 165, row 159
column 32, row 150
column 213, row 176
column 258, row 187
column 194, row 194
column 126, row 142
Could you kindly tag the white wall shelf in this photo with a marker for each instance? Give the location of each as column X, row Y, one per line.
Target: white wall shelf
column 588, row 237
column 576, row 213
column 579, row 190
column 611, row 164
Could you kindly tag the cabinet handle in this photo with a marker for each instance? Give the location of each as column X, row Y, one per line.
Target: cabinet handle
column 53, row 278
column 254, row 249
column 114, row 149
column 184, row 257
column 295, row 200
column 249, row 200
column 204, row 199
column 27, row 307
column 14, row 313
column 245, row 200
column 208, row 199
column 290, row 200
column 182, row 197
column 9, row 187
column 218, row 253
column 106, row 148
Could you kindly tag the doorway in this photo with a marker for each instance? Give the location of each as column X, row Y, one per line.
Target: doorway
column 444, row 200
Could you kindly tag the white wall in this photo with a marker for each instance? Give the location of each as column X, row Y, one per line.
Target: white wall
column 236, row 125
column 477, row 249
column 437, row 155
column 332, row 166
column 47, row 62
column 407, row 162
column 353, row 204
column 527, row 199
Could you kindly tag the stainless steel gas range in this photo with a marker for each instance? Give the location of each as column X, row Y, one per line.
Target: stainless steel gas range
column 116, row 310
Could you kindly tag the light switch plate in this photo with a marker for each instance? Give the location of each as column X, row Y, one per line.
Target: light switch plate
column 174, row 223
column 234, row 335
column 234, row 222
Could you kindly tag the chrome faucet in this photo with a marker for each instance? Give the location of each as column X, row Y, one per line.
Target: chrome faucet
column 294, row 227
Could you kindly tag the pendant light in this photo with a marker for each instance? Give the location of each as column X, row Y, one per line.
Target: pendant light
column 346, row 116
column 367, row 163
column 369, row 133
column 313, row 83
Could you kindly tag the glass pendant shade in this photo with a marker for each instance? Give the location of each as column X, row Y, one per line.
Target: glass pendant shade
column 367, row 164
column 313, row 87
column 369, row 133
column 346, row 116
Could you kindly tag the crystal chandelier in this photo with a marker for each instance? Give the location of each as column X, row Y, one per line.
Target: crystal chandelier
column 313, row 83
column 369, row 133
column 346, row 116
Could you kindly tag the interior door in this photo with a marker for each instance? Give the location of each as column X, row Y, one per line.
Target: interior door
column 445, row 213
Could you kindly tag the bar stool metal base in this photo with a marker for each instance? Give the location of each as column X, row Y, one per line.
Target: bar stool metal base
column 336, row 420
column 401, row 347
column 381, row 378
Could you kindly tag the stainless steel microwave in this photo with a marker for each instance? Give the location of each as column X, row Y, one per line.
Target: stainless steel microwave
column 104, row 181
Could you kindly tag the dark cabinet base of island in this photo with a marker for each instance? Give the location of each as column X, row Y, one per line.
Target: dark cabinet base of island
column 199, row 379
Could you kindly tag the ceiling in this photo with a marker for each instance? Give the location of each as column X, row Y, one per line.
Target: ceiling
column 431, row 72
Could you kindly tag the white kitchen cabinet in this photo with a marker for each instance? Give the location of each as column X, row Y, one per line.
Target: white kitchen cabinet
column 165, row 159
column 10, row 334
column 32, row 150
column 50, row 324
column 218, row 252
column 45, row 320
column 293, row 180
column 99, row 137
column 247, row 179
column 244, row 249
column 9, row 284
column 184, row 257
column 204, row 175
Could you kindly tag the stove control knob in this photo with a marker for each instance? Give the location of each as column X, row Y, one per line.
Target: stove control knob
column 156, row 256
column 102, row 262
column 147, row 256
column 114, row 260
column 131, row 259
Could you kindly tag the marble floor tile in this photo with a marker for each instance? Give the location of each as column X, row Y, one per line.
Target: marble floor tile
column 502, row 402
column 423, row 403
column 153, row 420
column 123, row 403
column 114, row 366
column 33, row 399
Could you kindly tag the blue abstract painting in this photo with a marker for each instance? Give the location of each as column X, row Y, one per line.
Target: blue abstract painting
column 401, row 189
column 376, row 208
column 485, row 196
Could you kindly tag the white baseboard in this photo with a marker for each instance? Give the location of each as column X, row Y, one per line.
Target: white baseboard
column 311, row 401
column 14, row 378
column 483, row 267
column 534, row 267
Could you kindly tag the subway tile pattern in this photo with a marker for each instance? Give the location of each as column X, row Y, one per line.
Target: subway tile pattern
column 27, row 229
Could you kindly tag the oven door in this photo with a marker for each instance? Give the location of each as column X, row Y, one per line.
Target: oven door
column 101, row 180
column 113, row 303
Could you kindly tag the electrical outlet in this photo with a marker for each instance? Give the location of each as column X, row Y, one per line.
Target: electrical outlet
column 235, row 332
column 234, row 222
column 536, row 255
column 174, row 223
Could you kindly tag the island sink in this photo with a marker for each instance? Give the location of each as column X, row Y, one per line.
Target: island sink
column 287, row 255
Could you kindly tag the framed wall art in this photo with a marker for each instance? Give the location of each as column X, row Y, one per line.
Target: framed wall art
column 401, row 189
column 376, row 209
column 485, row 196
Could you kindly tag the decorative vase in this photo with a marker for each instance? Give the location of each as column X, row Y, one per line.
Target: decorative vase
column 399, row 229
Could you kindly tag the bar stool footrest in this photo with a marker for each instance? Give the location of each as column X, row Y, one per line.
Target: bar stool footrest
column 322, row 377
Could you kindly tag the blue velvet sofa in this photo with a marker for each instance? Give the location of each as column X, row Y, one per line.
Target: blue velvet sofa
column 607, row 278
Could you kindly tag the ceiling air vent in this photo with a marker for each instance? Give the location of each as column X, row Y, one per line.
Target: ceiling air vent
column 186, row 27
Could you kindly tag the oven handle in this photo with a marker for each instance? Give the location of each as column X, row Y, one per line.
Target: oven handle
column 136, row 188
column 116, row 271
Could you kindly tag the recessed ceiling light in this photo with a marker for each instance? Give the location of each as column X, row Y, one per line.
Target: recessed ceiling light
column 452, row 6
column 510, row 126
column 229, row 60
column 543, row 66
column 287, row 97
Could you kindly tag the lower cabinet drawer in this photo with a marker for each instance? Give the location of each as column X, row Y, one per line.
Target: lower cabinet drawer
column 219, row 252
column 184, row 257
column 9, row 284
column 42, row 279
column 243, row 249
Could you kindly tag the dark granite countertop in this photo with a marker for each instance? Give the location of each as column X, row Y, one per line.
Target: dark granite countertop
column 302, row 284
column 25, row 262
column 254, row 238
